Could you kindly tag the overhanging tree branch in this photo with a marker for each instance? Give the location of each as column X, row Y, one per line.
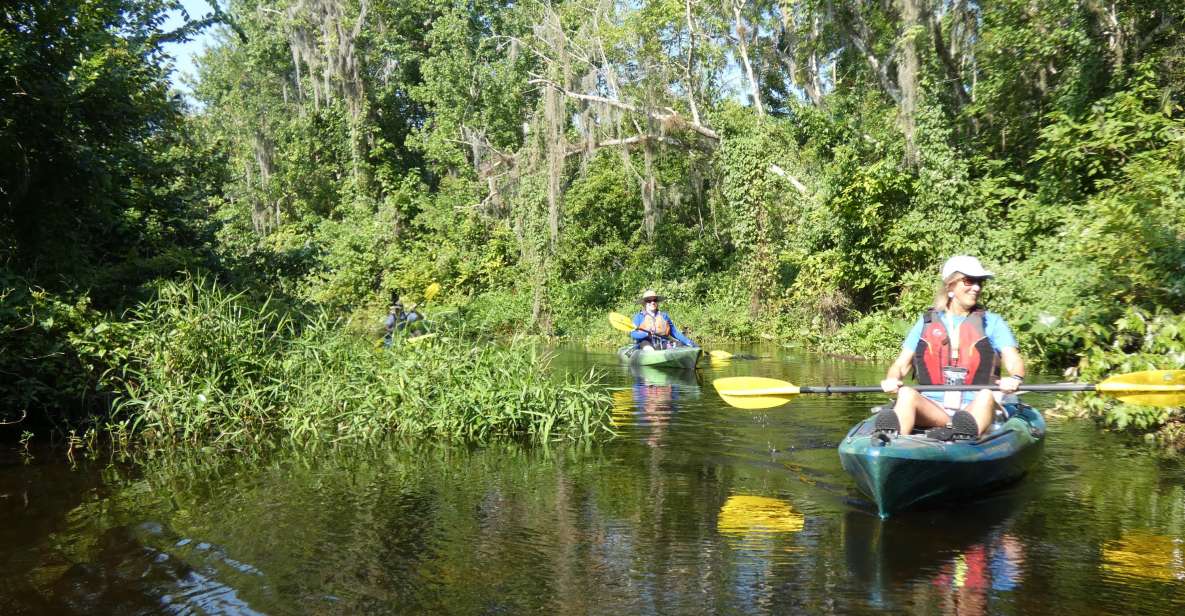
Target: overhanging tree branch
column 669, row 118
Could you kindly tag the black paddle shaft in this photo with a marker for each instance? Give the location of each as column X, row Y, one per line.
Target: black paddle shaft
column 870, row 389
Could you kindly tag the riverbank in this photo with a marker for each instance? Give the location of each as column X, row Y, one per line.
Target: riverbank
column 199, row 365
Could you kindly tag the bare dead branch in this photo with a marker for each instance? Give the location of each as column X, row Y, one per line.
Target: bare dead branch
column 669, row 118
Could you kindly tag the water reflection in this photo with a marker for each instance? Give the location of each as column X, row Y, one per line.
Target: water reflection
column 760, row 532
column 695, row 508
column 963, row 558
column 965, row 583
column 748, row 515
column 657, row 394
column 1143, row 554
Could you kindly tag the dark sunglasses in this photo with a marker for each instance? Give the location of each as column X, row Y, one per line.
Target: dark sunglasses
column 970, row 282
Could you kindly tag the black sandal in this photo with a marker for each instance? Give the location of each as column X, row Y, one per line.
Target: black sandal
column 964, row 426
column 886, row 423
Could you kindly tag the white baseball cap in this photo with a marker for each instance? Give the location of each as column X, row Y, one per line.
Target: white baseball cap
column 965, row 265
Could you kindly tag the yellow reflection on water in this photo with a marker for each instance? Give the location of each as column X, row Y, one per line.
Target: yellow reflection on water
column 1143, row 554
column 744, row 514
column 623, row 405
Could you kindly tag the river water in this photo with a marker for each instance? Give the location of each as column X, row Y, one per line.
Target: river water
column 695, row 508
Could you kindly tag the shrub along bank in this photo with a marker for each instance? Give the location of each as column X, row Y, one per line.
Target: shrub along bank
column 198, row 365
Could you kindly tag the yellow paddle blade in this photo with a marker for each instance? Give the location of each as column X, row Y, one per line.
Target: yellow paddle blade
column 431, row 291
column 620, row 322
column 754, row 392
column 720, row 355
column 1150, row 388
column 742, row 514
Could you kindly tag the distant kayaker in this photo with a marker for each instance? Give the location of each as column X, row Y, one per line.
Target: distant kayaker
column 654, row 329
column 955, row 342
column 397, row 319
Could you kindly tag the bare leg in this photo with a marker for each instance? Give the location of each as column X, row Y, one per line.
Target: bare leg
column 912, row 407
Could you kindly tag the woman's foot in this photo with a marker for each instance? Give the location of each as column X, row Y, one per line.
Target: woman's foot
column 886, row 423
column 964, row 425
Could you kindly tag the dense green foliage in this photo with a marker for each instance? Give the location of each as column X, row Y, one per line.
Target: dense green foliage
column 101, row 189
column 203, row 366
column 794, row 169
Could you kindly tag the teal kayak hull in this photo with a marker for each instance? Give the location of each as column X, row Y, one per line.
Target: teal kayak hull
column 684, row 357
column 906, row 471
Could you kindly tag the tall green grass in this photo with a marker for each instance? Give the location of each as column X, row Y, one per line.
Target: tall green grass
column 208, row 367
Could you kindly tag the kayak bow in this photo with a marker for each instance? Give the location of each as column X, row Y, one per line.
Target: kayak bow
column 684, row 357
column 903, row 471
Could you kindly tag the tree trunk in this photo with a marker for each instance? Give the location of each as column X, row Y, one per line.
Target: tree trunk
column 648, row 186
column 689, row 70
column 806, row 77
column 907, row 77
column 953, row 75
column 860, row 34
column 265, row 215
column 743, row 46
column 556, row 149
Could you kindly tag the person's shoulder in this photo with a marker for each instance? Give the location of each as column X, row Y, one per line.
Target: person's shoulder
column 995, row 324
column 992, row 317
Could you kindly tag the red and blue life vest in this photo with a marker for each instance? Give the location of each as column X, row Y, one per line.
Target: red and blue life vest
column 975, row 352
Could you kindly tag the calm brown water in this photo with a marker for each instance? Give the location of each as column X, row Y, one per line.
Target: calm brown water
column 696, row 508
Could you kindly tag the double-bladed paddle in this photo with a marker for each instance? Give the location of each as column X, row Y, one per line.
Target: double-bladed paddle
column 620, row 322
column 1151, row 388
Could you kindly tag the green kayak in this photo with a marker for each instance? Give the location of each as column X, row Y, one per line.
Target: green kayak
column 684, row 357
column 903, row 471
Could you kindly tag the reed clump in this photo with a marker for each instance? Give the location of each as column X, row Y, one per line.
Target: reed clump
column 204, row 366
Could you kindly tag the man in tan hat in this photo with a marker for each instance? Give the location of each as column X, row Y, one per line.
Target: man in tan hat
column 654, row 329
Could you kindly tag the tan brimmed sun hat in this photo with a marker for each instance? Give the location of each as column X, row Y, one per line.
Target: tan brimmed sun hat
column 651, row 293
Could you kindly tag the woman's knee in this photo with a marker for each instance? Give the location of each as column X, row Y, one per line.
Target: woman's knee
column 908, row 401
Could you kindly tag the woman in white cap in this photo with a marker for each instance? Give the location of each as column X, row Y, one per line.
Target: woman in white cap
column 955, row 342
column 654, row 329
